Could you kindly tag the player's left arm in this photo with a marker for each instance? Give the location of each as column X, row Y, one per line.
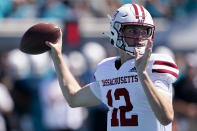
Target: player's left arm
column 160, row 103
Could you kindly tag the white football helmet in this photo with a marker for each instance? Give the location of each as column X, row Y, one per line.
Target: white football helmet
column 130, row 14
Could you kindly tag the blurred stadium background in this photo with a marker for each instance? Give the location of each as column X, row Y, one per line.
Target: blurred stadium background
column 30, row 98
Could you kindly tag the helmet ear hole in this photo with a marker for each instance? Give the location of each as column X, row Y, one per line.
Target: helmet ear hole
column 112, row 33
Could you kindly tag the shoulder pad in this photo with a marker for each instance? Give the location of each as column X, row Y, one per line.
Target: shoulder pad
column 163, row 67
column 106, row 60
column 103, row 66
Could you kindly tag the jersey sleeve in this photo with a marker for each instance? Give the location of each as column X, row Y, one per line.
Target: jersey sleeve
column 95, row 88
column 99, row 74
column 163, row 86
column 164, row 72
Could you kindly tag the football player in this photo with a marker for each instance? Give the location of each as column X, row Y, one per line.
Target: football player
column 136, row 86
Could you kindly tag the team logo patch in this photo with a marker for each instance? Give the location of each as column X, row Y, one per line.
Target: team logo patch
column 133, row 69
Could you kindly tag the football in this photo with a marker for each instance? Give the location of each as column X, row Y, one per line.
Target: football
column 33, row 40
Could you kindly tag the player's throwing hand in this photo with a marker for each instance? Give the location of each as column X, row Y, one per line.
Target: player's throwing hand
column 56, row 48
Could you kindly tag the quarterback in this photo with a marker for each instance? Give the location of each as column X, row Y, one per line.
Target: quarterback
column 136, row 85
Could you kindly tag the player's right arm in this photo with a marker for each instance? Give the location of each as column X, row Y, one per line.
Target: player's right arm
column 74, row 94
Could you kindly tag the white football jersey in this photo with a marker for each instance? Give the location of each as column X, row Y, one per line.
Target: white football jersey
column 121, row 90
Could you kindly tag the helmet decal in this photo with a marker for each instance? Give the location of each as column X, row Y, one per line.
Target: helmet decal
column 136, row 11
column 143, row 14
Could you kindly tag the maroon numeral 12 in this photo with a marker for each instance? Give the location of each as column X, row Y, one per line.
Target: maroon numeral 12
column 133, row 120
